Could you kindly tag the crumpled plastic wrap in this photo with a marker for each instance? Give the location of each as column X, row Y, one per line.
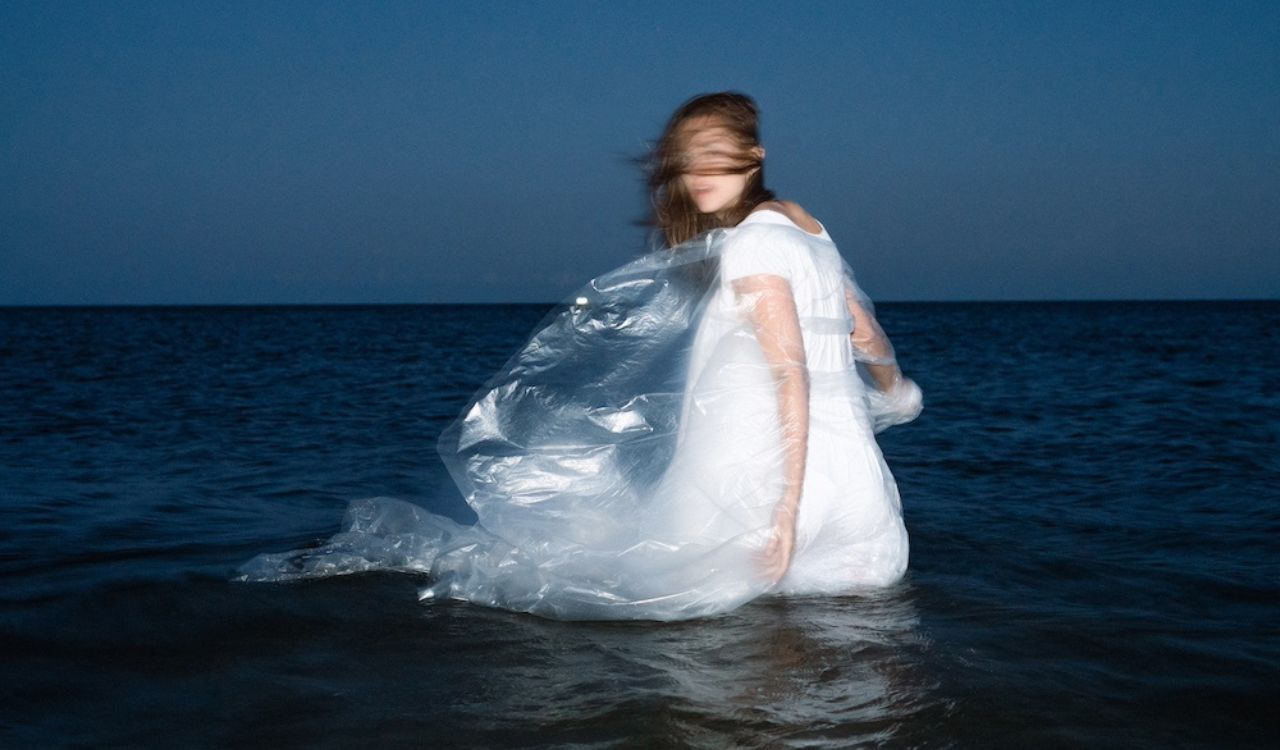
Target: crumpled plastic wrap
column 686, row 433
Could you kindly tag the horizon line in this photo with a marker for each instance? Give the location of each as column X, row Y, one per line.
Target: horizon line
column 1068, row 300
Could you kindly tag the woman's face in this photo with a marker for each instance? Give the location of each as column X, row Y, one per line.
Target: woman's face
column 710, row 152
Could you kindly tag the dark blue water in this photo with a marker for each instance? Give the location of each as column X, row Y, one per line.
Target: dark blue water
column 1092, row 495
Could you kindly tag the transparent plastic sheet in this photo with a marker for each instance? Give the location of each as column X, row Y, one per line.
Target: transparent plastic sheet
column 670, row 442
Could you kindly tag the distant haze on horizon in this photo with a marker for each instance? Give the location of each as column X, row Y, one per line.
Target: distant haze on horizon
column 192, row 153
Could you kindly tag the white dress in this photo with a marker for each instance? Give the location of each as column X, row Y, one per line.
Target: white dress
column 849, row 532
column 626, row 462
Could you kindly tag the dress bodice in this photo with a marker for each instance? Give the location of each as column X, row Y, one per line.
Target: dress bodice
column 768, row 242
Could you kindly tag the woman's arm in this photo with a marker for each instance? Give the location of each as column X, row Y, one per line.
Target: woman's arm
column 772, row 312
column 872, row 344
column 896, row 399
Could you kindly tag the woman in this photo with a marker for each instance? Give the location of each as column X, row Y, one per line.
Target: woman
column 780, row 273
column 693, row 431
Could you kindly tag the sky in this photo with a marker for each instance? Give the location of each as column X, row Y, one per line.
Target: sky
column 423, row 152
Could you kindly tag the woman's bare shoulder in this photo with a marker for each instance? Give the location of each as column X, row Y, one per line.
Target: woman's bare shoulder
column 795, row 212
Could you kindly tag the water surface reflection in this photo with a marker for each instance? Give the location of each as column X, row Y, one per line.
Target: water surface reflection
column 812, row 672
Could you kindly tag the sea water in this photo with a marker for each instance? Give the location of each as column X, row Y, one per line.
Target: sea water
column 1092, row 495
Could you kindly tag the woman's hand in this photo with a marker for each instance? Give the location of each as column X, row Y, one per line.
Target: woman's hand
column 899, row 404
column 776, row 557
column 906, row 399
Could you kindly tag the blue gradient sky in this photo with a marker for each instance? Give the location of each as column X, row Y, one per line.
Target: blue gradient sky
column 418, row 152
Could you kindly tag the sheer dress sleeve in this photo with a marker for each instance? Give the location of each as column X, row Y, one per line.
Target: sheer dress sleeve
column 891, row 397
column 759, row 265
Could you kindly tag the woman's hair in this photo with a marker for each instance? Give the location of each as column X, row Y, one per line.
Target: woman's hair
column 673, row 210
